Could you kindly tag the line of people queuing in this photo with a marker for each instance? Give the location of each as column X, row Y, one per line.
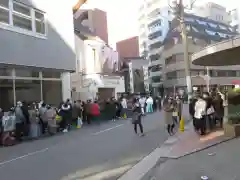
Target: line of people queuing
column 207, row 111
column 30, row 121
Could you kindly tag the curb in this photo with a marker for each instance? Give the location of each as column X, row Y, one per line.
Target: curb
column 199, row 149
column 142, row 168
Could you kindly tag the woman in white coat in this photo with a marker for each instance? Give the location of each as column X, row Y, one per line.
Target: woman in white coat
column 149, row 102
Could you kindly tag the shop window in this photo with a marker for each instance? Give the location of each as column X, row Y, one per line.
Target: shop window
column 6, row 94
column 52, row 92
column 51, row 74
column 28, row 91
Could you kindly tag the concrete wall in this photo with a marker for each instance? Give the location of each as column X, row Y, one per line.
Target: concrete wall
column 56, row 50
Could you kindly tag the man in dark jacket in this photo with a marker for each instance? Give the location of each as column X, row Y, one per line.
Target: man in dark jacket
column 65, row 112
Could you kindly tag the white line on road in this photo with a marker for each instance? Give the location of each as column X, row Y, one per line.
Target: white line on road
column 22, row 157
column 96, row 133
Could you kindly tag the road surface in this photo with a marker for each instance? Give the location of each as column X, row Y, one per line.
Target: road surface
column 94, row 152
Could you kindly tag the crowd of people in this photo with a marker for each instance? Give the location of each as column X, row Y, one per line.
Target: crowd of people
column 207, row 111
column 26, row 121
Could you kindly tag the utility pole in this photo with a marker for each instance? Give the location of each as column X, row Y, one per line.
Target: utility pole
column 186, row 54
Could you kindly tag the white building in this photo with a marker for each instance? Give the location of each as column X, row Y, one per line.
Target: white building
column 96, row 64
column 234, row 19
column 212, row 11
column 154, row 17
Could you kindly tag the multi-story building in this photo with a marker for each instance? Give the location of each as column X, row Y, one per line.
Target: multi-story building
column 128, row 47
column 201, row 32
column 212, row 11
column 97, row 63
column 37, row 51
column 154, row 17
column 95, row 19
column 234, row 19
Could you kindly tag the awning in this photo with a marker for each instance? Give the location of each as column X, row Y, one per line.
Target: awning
column 220, row 54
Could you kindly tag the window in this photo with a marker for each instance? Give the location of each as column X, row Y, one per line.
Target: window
column 156, row 68
column 155, row 35
column 4, row 11
column 21, row 16
column 154, row 57
column 232, row 73
column 15, row 14
column 51, row 74
column 171, row 75
column 52, row 93
column 157, row 79
column 6, row 98
column 40, row 22
column 155, row 45
column 222, row 73
column 27, row 72
column 28, row 90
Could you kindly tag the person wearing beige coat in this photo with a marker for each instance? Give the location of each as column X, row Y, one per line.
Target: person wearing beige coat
column 168, row 107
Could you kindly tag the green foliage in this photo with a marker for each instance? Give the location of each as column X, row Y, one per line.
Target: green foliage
column 234, row 96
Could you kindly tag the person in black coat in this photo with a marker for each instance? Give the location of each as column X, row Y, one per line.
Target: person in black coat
column 137, row 116
column 66, row 114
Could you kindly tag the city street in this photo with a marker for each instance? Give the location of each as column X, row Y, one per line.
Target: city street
column 94, row 152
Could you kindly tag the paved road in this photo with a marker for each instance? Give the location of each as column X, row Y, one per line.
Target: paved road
column 220, row 162
column 95, row 152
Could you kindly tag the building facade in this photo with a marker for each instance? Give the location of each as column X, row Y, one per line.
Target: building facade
column 37, row 51
column 234, row 19
column 135, row 78
column 97, row 66
column 201, row 32
column 154, row 17
column 128, row 47
column 212, row 11
column 95, row 19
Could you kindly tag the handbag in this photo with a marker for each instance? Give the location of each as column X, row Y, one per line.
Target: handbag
column 79, row 123
column 135, row 117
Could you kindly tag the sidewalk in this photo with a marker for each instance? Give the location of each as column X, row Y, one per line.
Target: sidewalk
column 220, row 162
column 178, row 146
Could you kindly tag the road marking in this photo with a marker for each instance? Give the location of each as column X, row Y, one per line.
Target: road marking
column 24, row 156
column 97, row 133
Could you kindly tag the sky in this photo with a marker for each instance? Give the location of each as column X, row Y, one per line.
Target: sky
column 123, row 15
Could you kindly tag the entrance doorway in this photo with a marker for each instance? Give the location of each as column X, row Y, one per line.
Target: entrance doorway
column 106, row 93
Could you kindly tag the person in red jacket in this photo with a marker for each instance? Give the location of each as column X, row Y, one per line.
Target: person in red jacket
column 95, row 110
